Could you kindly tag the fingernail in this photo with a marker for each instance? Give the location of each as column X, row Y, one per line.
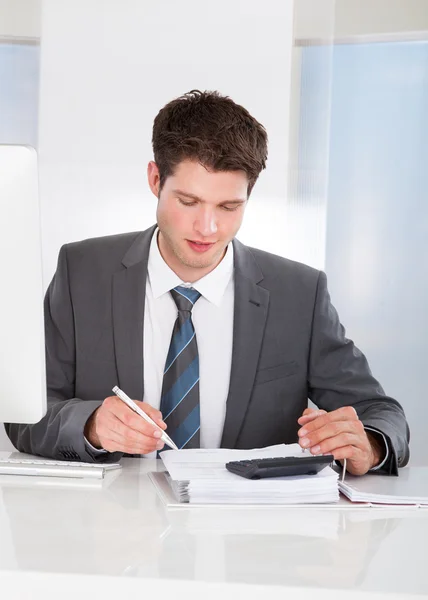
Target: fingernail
column 305, row 442
column 303, row 432
column 316, row 450
column 157, row 433
column 159, row 445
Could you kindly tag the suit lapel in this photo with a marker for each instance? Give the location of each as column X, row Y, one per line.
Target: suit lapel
column 250, row 313
column 129, row 290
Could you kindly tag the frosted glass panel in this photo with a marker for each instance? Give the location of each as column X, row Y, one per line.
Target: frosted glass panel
column 306, row 208
column 19, row 83
column 377, row 215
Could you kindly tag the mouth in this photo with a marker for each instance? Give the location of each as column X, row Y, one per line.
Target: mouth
column 200, row 246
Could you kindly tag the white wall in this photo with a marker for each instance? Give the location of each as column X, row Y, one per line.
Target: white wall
column 359, row 18
column 368, row 17
column 106, row 70
column 20, row 18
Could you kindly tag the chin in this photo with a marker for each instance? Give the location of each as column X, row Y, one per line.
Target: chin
column 197, row 264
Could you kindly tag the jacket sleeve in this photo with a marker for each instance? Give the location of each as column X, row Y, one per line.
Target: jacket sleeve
column 339, row 375
column 60, row 434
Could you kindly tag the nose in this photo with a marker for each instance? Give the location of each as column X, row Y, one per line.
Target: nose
column 206, row 223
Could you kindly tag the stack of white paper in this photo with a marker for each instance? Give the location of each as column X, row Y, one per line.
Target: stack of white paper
column 200, row 477
column 410, row 488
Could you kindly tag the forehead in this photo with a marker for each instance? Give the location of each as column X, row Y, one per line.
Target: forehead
column 211, row 186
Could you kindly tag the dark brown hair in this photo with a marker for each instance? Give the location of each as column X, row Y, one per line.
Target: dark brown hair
column 212, row 130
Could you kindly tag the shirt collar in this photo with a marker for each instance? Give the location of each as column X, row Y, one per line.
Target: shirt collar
column 212, row 286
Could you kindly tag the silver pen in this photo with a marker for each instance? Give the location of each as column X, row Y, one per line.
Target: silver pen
column 164, row 437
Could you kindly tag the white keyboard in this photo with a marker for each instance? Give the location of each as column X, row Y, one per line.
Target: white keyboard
column 53, row 468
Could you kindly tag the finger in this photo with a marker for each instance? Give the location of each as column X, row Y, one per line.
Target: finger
column 332, row 430
column 308, row 411
column 356, row 461
column 111, row 430
column 117, row 446
column 113, row 441
column 349, row 452
column 129, row 435
column 314, row 414
column 346, row 413
column 129, row 418
column 153, row 413
column 329, row 445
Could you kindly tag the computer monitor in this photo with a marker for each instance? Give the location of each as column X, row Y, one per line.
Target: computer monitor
column 22, row 354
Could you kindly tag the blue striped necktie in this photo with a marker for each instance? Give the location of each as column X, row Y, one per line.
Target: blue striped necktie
column 180, row 387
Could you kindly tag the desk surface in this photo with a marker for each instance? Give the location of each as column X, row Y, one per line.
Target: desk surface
column 119, row 527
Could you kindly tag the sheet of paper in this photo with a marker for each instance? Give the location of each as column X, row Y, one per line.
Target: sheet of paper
column 209, row 464
column 410, row 487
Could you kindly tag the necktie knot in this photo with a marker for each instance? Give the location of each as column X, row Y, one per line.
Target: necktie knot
column 185, row 298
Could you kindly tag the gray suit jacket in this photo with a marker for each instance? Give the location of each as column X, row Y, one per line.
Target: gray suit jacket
column 288, row 346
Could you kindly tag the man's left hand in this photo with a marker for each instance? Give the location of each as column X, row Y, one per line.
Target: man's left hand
column 341, row 433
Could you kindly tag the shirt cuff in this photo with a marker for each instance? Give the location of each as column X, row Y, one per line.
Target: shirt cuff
column 380, row 465
column 96, row 451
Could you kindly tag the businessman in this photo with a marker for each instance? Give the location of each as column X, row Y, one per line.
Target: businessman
column 221, row 344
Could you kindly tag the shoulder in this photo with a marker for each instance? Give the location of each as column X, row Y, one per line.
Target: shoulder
column 289, row 281
column 99, row 255
column 108, row 244
column 281, row 269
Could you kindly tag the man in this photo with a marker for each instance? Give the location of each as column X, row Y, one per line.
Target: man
column 223, row 343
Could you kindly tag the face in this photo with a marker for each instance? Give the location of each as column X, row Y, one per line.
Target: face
column 199, row 212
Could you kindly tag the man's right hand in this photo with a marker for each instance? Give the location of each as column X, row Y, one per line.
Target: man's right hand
column 116, row 428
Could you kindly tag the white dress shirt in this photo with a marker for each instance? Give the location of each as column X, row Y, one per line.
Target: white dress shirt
column 212, row 318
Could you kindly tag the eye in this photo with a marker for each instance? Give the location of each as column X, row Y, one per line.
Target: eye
column 231, row 208
column 186, row 203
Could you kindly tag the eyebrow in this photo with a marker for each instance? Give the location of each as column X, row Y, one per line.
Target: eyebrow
column 197, row 199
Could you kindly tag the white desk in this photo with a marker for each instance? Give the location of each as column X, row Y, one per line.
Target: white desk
column 56, row 534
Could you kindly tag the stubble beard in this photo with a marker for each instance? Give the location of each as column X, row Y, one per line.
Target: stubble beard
column 191, row 262
column 196, row 262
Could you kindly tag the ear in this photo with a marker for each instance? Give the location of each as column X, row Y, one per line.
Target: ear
column 153, row 177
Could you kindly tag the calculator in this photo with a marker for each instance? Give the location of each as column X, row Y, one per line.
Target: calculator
column 280, row 466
